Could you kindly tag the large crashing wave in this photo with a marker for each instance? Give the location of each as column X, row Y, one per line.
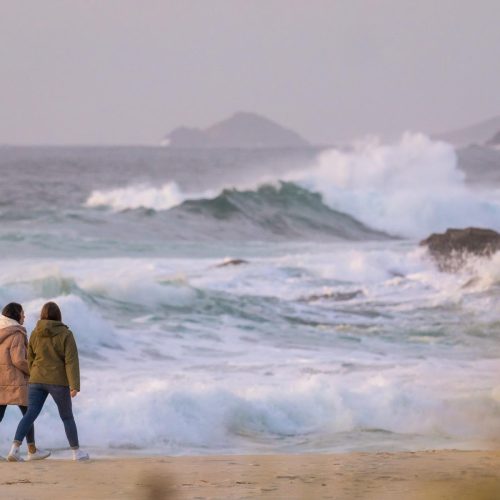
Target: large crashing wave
column 410, row 189
column 285, row 209
column 281, row 211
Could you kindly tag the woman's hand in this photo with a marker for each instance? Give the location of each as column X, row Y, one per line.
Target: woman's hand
column 73, row 392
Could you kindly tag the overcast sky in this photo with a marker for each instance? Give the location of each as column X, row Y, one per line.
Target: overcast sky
column 128, row 71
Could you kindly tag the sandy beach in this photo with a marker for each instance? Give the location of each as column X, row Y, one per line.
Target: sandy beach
column 430, row 475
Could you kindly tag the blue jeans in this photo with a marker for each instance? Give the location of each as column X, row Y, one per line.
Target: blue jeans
column 30, row 435
column 37, row 395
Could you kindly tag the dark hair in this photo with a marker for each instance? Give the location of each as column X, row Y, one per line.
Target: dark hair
column 51, row 310
column 13, row 311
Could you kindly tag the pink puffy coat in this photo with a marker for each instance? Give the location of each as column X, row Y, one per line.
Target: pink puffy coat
column 14, row 371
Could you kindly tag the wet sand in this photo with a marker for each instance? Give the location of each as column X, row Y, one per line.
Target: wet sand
column 429, row 475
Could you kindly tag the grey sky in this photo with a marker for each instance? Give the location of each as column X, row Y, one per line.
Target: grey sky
column 128, row 71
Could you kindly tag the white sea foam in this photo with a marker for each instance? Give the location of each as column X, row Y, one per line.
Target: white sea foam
column 181, row 417
column 410, row 188
column 214, row 416
column 142, row 196
column 205, row 359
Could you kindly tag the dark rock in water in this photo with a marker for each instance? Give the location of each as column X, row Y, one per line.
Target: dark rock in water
column 338, row 296
column 396, row 274
column 451, row 249
column 232, row 262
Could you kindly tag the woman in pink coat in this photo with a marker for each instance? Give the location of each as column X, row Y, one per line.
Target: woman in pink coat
column 14, row 371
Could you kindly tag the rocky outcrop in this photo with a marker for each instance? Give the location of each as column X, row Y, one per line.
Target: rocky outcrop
column 242, row 130
column 452, row 248
column 232, row 262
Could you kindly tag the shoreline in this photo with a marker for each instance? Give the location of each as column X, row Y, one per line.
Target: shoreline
column 420, row 475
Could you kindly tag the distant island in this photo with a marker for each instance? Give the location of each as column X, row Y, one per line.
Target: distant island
column 241, row 130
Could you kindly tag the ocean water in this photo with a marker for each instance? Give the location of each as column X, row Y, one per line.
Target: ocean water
column 337, row 333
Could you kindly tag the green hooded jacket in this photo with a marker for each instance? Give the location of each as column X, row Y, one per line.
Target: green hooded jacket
column 53, row 356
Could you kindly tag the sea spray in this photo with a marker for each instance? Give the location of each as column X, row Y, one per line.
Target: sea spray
column 410, row 188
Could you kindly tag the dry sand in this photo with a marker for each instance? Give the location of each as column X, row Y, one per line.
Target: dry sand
column 431, row 475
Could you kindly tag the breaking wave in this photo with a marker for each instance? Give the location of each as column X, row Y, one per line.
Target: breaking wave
column 410, row 189
column 281, row 210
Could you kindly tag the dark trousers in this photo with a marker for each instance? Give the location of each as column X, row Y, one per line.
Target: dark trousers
column 30, row 435
column 36, row 398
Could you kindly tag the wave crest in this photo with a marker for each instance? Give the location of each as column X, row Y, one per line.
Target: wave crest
column 141, row 196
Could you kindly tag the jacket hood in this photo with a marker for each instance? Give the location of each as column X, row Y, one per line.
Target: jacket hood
column 49, row 328
column 9, row 327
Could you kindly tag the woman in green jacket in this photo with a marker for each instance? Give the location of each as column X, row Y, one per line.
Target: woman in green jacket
column 54, row 370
